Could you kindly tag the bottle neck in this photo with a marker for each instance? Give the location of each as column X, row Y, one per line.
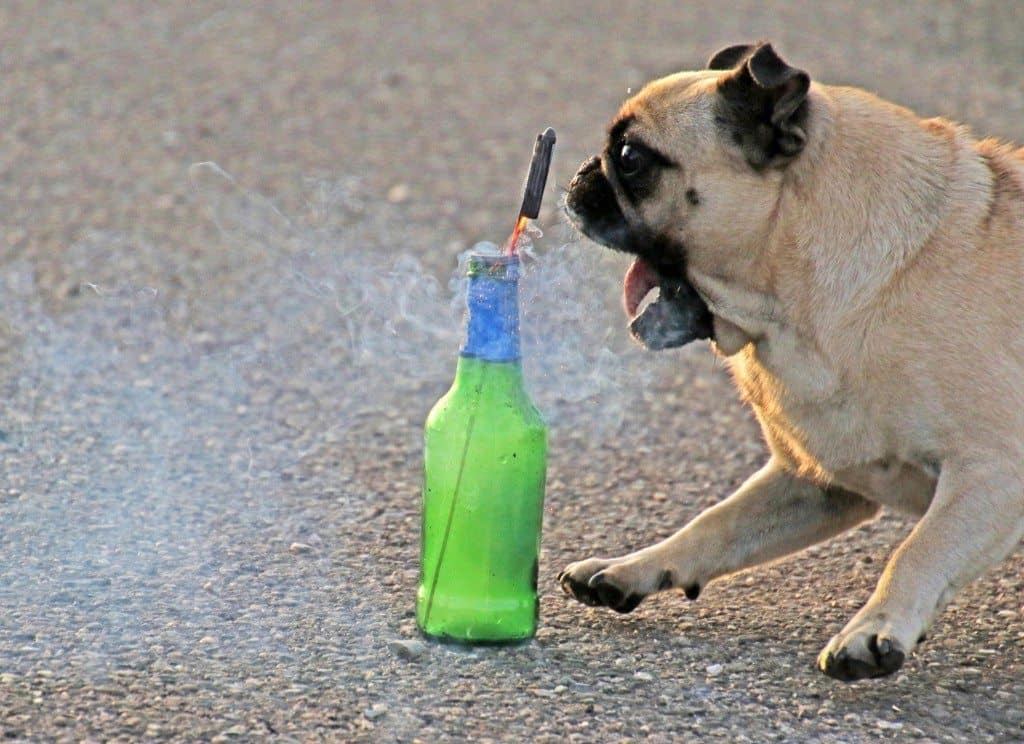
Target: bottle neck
column 492, row 331
column 499, row 382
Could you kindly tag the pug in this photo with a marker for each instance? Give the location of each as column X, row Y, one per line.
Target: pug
column 861, row 271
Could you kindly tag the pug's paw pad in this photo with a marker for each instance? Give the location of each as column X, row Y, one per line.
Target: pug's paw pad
column 575, row 580
column 865, row 652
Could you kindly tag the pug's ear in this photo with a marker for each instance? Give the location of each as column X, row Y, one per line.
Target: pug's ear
column 763, row 103
column 726, row 59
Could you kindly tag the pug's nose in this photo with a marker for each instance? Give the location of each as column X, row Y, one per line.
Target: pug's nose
column 589, row 166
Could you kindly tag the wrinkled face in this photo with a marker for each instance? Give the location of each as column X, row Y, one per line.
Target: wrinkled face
column 688, row 181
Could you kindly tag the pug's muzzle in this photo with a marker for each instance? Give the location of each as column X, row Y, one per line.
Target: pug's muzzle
column 679, row 315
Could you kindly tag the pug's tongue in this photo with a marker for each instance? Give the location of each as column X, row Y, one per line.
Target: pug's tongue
column 640, row 279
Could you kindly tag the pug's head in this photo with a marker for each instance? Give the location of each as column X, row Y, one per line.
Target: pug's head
column 689, row 180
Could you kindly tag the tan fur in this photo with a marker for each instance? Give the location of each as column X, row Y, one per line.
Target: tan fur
column 869, row 300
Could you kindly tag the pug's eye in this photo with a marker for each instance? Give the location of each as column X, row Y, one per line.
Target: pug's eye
column 631, row 160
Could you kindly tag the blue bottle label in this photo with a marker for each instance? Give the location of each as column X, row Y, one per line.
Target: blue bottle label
column 492, row 301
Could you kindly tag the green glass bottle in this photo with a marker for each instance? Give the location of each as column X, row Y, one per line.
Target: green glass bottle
column 485, row 460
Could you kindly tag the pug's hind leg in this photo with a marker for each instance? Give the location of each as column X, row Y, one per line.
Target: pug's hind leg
column 975, row 519
column 772, row 514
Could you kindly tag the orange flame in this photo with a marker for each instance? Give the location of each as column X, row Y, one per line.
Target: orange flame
column 513, row 240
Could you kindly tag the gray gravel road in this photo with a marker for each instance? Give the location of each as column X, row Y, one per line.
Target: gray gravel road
column 214, row 377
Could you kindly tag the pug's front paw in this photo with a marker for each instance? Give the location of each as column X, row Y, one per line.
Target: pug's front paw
column 594, row 582
column 870, row 648
column 621, row 584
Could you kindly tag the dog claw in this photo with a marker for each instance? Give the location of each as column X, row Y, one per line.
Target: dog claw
column 881, row 647
column 607, row 593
